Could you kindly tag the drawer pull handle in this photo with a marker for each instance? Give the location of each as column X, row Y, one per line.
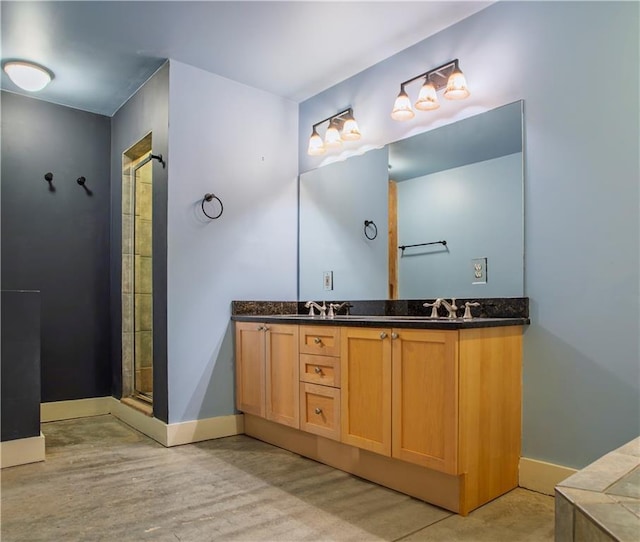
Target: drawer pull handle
column 317, row 340
column 383, row 335
column 394, row 335
column 318, row 371
column 318, row 410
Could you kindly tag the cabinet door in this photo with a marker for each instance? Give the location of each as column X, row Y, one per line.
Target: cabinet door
column 366, row 388
column 282, row 375
column 250, row 377
column 425, row 398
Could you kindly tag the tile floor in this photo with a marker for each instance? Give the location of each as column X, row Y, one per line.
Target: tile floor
column 104, row 481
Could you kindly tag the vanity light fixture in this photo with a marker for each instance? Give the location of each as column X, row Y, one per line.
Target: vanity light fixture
column 342, row 127
column 27, row 75
column 448, row 76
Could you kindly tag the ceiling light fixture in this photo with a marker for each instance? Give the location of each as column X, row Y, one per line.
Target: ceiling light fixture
column 27, row 75
column 342, row 127
column 447, row 76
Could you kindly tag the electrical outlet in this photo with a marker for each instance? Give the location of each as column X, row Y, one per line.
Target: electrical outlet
column 479, row 267
column 327, row 280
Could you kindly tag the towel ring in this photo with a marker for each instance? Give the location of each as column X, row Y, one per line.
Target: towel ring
column 368, row 223
column 210, row 197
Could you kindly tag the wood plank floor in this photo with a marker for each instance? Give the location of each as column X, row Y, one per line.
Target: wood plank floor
column 104, row 481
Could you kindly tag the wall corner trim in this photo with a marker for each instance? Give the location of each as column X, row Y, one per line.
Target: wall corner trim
column 21, row 451
column 541, row 476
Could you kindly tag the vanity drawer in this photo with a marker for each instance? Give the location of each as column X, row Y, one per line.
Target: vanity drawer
column 320, row 410
column 323, row 370
column 323, row 340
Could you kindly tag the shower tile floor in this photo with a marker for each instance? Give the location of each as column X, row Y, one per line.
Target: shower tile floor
column 104, row 481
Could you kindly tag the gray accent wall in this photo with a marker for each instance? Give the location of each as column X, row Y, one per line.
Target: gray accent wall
column 146, row 111
column 20, row 384
column 55, row 238
column 582, row 226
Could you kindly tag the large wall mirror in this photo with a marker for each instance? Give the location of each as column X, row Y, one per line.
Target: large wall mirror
column 461, row 183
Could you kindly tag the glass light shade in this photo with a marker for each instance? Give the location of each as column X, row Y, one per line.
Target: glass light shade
column 350, row 131
column 456, row 86
column 27, row 76
column 402, row 107
column 332, row 138
column 427, row 99
column 316, row 146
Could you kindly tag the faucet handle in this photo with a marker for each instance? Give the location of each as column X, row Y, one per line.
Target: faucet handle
column 467, row 309
column 309, row 305
column 434, row 307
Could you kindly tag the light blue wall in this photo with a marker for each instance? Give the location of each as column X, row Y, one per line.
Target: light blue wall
column 575, row 65
column 477, row 209
column 334, row 203
column 239, row 143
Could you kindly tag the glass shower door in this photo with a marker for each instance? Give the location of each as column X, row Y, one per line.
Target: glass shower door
column 143, row 281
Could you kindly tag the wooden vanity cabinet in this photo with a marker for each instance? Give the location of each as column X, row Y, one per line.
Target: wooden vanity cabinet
column 399, row 394
column 425, row 398
column 320, row 380
column 444, row 400
column 250, row 368
column 433, row 413
column 267, row 371
column 366, row 388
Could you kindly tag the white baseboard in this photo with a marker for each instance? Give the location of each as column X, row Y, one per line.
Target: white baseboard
column 541, row 476
column 21, row 451
column 206, row 429
column 79, row 408
column 175, row 434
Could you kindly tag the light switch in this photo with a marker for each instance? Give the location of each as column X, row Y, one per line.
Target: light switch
column 327, row 280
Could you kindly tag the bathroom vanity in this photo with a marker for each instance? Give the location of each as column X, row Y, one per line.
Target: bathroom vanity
column 428, row 407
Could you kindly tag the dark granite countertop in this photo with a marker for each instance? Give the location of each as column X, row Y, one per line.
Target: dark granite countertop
column 399, row 321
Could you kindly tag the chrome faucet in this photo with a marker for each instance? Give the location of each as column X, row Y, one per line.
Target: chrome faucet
column 322, row 309
column 434, row 307
column 451, row 307
column 334, row 308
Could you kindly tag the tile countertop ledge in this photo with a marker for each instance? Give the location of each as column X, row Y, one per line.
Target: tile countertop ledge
column 601, row 502
column 415, row 322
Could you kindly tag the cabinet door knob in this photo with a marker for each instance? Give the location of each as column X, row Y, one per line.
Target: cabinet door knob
column 318, row 410
column 394, row 335
column 317, row 340
column 260, row 328
column 318, row 370
column 383, row 335
column 266, row 328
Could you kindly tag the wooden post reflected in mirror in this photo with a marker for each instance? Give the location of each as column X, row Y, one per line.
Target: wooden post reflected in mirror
column 393, row 240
